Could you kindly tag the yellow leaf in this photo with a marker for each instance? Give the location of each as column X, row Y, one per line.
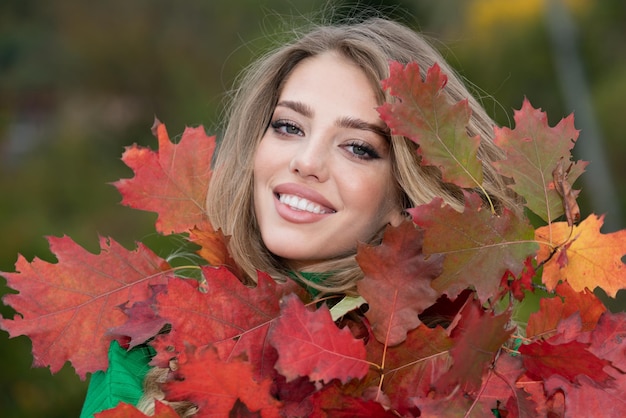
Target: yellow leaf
column 583, row 256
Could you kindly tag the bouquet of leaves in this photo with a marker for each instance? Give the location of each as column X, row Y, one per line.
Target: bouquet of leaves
column 270, row 351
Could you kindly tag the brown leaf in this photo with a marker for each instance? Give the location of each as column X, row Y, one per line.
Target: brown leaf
column 564, row 189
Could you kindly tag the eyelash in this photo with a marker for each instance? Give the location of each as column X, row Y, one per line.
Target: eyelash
column 280, row 126
column 370, row 152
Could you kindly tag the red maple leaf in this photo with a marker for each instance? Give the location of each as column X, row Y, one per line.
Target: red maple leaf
column 172, row 182
column 228, row 315
column 479, row 247
column 608, row 339
column 589, row 392
column 333, row 402
column 478, row 337
column 68, row 308
column 397, row 282
column 124, row 410
column 143, row 323
column 310, row 344
column 215, row 386
column 409, row 370
column 424, row 114
column 542, row 360
column 533, row 152
column 517, row 286
column 503, row 390
column 586, row 399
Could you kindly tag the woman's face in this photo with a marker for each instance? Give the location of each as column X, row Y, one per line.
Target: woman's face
column 322, row 171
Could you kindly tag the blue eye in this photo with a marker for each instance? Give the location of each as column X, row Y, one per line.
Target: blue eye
column 362, row 151
column 284, row 127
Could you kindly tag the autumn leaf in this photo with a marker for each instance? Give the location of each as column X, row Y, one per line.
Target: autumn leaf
column 586, row 399
column 423, row 113
column 410, row 369
column 173, row 181
column 333, row 402
column 479, row 247
column 517, row 286
column 68, row 308
column 214, row 249
column 228, row 315
column 502, row 388
column 533, row 151
column 310, row 344
column 455, row 406
column 569, row 195
column 124, row 410
column 608, row 339
column 583, row 256
column 477, row 337
column 567, row 302
column 143, row 323
column 215, row 386
column 397, row 282
column 543, row 360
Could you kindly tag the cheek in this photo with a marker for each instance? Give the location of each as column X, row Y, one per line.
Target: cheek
column 262, row 158
column 373, row 193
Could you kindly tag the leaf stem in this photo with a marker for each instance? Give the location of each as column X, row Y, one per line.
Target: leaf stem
column 491, row 206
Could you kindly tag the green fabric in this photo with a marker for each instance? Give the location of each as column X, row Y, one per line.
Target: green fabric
column 122, row 382
column 316, row 278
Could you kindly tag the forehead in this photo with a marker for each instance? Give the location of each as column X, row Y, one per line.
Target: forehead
column 332, row 82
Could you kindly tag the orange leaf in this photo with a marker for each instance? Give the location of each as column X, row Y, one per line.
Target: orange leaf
column 172, row 182
column 214, row 249
column 583, row 256
column 568, row 302
column 215, row 386
column 68, row 308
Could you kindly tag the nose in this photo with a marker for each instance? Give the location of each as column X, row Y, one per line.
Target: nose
column 310, row 159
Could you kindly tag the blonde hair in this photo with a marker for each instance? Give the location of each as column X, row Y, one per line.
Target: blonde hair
column 371, row 44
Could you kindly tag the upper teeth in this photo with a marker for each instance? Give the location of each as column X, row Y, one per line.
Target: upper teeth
column 300, row 203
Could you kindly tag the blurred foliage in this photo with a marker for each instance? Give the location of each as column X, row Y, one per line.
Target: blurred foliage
column 79, row 80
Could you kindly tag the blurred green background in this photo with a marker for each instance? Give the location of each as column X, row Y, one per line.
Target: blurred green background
column 80, row 80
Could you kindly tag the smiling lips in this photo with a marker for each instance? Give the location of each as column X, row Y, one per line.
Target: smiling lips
column 302, row 204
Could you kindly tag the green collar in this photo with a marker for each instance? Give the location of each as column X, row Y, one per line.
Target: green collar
column 312, row 277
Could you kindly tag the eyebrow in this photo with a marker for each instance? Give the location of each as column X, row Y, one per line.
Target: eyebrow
column 344, row 122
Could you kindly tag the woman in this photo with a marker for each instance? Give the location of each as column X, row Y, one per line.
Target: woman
column 307, row 169
column 369, row 45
